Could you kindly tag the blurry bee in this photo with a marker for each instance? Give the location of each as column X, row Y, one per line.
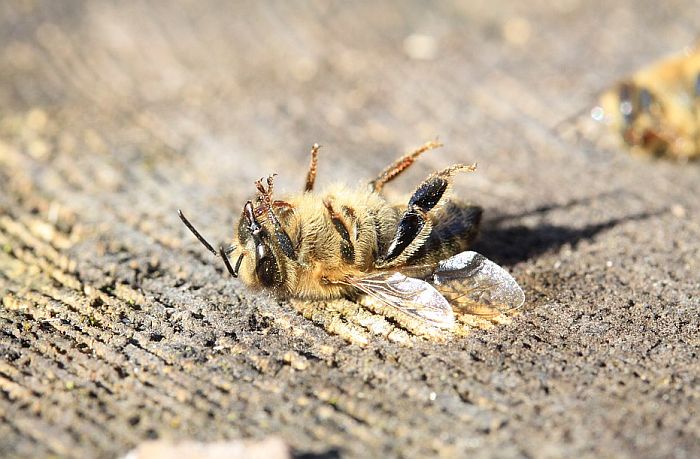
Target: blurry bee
column 657, row 110
column 351, row 242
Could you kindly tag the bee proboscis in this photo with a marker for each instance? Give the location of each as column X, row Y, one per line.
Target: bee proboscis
column 347, row 242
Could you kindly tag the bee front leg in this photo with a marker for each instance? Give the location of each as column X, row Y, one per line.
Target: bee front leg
column 415, row 225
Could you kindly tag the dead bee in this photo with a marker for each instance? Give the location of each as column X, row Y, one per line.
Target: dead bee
column 347, row 242
column 657, row 110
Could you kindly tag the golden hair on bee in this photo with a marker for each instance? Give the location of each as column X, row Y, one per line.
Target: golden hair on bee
column 345, row 242
column 657, row 110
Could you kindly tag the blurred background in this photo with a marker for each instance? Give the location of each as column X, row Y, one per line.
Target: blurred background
column 234, row 87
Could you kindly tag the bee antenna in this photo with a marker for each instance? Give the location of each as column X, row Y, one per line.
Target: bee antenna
column 224, row 254
column 238, row 264
column 194, row 231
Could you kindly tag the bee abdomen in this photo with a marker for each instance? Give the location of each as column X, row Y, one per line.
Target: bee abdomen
column 454, row 230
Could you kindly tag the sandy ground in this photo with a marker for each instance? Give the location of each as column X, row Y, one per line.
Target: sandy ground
column 116, row 327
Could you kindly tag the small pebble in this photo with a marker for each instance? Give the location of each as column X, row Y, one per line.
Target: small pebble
column 420, row 47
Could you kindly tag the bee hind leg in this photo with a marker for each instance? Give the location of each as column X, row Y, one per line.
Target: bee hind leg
column 416, row 225
column 400, row 165
column 313, row 166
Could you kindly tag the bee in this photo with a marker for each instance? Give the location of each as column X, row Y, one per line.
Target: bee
column 657, row 110
column 347, row 242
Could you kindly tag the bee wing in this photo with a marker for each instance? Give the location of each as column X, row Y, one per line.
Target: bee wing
column 475, row 285
column 413, row 297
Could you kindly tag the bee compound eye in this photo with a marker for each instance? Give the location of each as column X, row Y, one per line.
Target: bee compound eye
column 266, row 270
column 244, row 233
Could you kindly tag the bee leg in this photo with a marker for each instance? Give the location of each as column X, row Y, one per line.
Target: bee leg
column 282, row 205
column 311, row 175
column 347, row 250
column 415, row 225
column 400, row 165
column 281, row 235
column 285, row 242
column 223, row 252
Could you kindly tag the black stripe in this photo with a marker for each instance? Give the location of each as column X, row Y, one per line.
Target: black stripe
column 347, row 251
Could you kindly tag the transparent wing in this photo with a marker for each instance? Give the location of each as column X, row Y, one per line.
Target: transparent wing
column 413, row 297
column 474, row 284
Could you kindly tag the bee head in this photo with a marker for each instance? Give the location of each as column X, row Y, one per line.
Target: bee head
column 260, row 267
column 264, row 248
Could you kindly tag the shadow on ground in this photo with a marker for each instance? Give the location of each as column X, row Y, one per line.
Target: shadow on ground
column 508, row 244
column 330, row 454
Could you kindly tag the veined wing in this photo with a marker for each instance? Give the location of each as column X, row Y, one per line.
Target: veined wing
column 475, row 285
column 413, row 297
